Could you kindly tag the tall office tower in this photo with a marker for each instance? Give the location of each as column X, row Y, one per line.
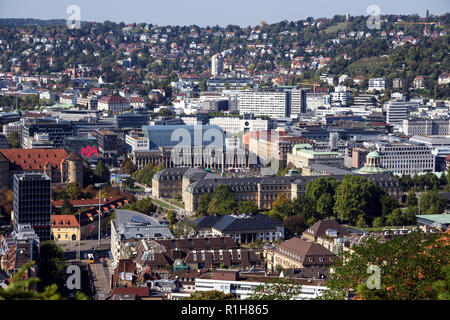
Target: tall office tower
column 298, row 101
column 275, row 103
column 334, row 141
column 216, row 64
column 397, row 111
column 32, row 203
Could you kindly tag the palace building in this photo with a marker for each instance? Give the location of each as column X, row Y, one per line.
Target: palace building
column 56, row 163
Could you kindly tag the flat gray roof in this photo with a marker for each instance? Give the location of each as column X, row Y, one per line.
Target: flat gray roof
column 132, row 224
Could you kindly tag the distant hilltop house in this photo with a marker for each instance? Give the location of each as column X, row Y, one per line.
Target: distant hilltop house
column 358, row 80
column 419, row 82
column 137, row 102
column 444, row 78
column 378, row 84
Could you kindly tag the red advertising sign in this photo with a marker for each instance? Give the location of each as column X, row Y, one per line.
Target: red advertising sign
column 89, row 151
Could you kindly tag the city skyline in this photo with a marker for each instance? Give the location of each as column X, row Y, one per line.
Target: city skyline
column 204, row 13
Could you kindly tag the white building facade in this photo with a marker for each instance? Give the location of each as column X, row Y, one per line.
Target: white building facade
column 405, row 158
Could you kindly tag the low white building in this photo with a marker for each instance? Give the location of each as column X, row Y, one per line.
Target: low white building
column 12, row 127
column 340, row 94
column 234, row 125
column 137, row 102
column 137, row 142
column 242, row 285
column 377, row 84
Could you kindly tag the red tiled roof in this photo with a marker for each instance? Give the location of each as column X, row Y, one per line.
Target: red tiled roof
column 138, row 291
column 113, row 99
column 136, row 99
column 34, row 159
column 82, row 202
column 64, row 220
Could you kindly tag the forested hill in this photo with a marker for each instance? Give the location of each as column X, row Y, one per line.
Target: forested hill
column 289, row 52
column 18, row 22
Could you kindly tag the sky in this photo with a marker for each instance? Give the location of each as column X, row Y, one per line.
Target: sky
column 211, row 12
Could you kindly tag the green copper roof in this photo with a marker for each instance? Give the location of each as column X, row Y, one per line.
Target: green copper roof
column 373, row 154
column 303, row 146
column 438, row 218
column 370, row 170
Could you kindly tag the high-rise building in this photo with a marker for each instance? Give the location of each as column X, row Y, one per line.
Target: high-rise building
column 274, row 103
column 108, row 143
column 396, row 112
column 32, row 203
column 216, row 64
column 56, row 130
column 298, row 101
column 334, row 141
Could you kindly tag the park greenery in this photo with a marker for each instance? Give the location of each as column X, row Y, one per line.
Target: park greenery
column 210, row 295
column 171, row 217
column 415, row 267
column 101, row 173
column 221, row 202
column 14, row 139
column 145, row 206
column 354, row 200
column 276, row 289
column 6, row 201
column 21, row 288
column 52, row 270
column 146, row 174
column 127, row 166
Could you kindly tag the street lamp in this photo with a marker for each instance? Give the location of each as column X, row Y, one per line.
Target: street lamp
column 79, row 238
column 99, row 185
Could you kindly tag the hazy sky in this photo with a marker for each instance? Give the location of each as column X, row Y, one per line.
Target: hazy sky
column 211, row 12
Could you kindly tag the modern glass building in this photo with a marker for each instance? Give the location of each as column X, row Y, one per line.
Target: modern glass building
column 32, row 203
column 56, row 129
column 185, row 136
column 131, row 120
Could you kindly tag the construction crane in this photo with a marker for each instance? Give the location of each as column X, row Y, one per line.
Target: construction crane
column 314, row 85
column 424, row 23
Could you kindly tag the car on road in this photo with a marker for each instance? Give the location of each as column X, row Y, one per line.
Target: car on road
column 91, row 258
